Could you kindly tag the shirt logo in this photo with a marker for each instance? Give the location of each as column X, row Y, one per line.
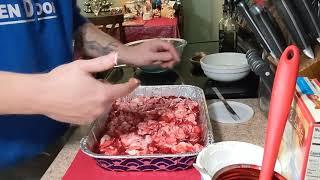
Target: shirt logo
column 26, row 12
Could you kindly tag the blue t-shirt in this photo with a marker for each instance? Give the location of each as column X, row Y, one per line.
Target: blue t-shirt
column 36, row 36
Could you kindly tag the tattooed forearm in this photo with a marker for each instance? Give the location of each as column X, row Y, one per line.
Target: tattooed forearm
column 95, row 43
column 95, row 49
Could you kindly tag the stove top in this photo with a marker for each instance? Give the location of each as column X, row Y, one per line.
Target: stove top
column 245, row 88
column 164, row 78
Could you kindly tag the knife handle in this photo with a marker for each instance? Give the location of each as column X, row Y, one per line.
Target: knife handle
column 261, row 68
column 280, row 105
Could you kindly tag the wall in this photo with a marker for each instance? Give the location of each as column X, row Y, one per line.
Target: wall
column 201, row 25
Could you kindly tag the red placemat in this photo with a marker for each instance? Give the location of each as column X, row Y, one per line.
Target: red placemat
column 84, row 167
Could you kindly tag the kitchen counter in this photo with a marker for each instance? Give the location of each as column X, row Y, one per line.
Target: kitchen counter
column 252, row 131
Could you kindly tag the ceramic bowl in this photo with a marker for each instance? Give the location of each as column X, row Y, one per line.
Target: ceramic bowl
column 225, row 67
column 220, row 155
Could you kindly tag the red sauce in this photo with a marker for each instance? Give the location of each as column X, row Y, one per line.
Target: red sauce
column 242, row 172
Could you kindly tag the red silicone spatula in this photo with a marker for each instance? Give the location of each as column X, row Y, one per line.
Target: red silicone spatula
column 280, row 104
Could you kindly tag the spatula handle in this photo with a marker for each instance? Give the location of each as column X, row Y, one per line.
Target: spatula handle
column 280, row 105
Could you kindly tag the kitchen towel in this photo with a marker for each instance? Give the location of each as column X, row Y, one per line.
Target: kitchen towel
column 84, row 167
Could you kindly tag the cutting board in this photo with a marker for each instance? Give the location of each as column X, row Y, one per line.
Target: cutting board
column 84, row 167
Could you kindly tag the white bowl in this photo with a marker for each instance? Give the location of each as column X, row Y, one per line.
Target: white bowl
column 226, row 77
column 226, row 67
column 225, row 61
column 219, row 155
column 238, row 70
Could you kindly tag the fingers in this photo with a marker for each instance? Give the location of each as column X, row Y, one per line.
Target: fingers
column 163, row 57
column 168, row 64
column 156, row 63
column 99, row 64
column 121, row 90
column 163, row 46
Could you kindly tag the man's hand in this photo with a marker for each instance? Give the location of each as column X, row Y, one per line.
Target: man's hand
column 74, row 96
column 94, row 43
column 154, row 52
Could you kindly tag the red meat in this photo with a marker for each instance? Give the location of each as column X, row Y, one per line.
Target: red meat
column 152, row 125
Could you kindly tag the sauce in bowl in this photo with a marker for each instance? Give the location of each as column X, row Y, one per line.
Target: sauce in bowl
column 242, row 172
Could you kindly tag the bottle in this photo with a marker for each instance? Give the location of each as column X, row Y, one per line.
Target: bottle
column 177, row 7
column 158, row 4
column 179, row 14
column 221, row 26
column 229, row 29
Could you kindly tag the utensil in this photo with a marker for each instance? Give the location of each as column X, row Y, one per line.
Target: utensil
column 269, row 29
column 218, row 112
column 260, row 68
column 280, row 105
column 254, row 27
column 233, row 114
column 316, row 7
column 309, row 18
column 289, row 15
column 121, row 66
column 201, row 170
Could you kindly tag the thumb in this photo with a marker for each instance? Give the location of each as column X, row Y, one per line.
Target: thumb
column 99, row 64
column 124, row 89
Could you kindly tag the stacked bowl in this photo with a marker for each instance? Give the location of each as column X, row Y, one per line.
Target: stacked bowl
column 225, row 67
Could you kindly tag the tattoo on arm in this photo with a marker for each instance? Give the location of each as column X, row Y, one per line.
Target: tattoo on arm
column 94, row 48
column 94, row 42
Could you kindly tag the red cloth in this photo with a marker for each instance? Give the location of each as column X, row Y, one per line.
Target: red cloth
column 84, row 167
column 154, row 28
column 135, row 22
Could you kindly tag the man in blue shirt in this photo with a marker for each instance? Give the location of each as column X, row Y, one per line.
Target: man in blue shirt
column 41, row 89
